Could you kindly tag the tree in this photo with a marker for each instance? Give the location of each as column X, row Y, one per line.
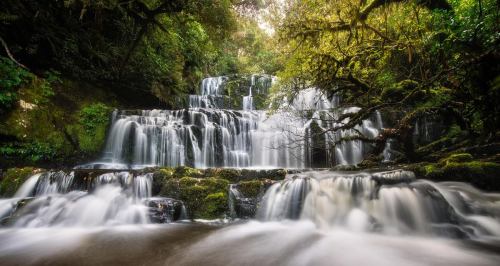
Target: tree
column 138, row 47
column 419, row 58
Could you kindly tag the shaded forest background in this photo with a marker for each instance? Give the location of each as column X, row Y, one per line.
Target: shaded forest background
column 65, row 65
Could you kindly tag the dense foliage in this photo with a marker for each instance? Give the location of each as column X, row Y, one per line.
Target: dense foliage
column 65, row 64
column 421, row 58
column 12, row 78
column 159, row 47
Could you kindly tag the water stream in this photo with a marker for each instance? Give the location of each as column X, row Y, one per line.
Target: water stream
column 207, row 135
column 309, row 218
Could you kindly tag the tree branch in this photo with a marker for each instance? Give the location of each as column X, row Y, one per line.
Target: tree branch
column 4, row 44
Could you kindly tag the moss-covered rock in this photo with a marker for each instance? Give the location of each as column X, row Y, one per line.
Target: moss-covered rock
column 215, row 184
column 93, row 121
column 73, row 129
column 484, row 175
column 13, row 179
column 273, row 174
column 250, row 189
column 181, row 171
column 204, row 198
column 160, row 176
column 224, row 173
column 214, row 205
column 457, row 158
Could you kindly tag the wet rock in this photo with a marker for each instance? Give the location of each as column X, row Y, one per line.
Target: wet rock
column 204, row 198
column 483, row 175
column 245, row 197
column 273, row 174
column 225, row 173
column 165, row 210
column 341, row 167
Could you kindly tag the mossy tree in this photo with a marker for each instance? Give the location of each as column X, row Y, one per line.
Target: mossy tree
column 421, row 58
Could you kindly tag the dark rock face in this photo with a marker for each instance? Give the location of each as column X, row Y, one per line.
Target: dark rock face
column 245, row 196
column 245, row 208
column 165, row 210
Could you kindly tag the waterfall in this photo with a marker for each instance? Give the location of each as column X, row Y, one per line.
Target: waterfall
column 392, row 202
column 210, row 94
column 57, row 199
column 297, row 135
column 248, row 101
column 143, row 186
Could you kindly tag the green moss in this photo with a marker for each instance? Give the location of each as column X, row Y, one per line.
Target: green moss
column 399, row 90
column 457, row 158
column 160, row 176
column 250, row 189
column 214, row 205
column 279, row 174
column 13, row 179
column 215, row 184
column 74, row 126
column 484, row 175
column 11, row 78
column 93, row 121
column 204, row 198
column 187, row 181
column 164, row 173
column 225, row 173
column 430, row 168
column 170, row 188
column 181, row 171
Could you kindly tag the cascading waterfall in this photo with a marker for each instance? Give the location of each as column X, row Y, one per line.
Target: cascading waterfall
column 310, row 218
column 211, row 94
column 390, row 202
column 204, row 136
column 248, row 100
column 57, row 199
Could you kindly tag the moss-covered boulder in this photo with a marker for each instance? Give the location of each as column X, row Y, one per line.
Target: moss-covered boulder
column 273, row 174
column 73, row 128
column 483, row 175
column 160, row 176
column 224, row 173
column 13, row 178
column 457, row 158
column 204, row 198
column 214, row 205
column 250, row 189
column 181, row 171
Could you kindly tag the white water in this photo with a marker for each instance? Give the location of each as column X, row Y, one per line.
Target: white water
column 115, row 198
column 296, row 136
column 301, row 243
column 383, row 218
column 387, row 202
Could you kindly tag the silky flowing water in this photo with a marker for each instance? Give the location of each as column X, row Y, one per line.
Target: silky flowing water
column 210, row 134
column 309, row 218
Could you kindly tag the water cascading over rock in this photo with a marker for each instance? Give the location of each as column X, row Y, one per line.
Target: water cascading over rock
column 391, row 202
column 204, row 135
column 57, row 198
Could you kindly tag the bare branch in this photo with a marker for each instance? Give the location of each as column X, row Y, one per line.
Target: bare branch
column 4, row 44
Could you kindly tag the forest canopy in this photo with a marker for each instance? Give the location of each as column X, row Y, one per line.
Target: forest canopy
column 163, row 47
column 421, row 58
column 408, row 59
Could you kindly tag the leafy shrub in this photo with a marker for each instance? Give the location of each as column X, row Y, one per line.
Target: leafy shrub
column 11, row 77
column 31, row 152
column 94, row 120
